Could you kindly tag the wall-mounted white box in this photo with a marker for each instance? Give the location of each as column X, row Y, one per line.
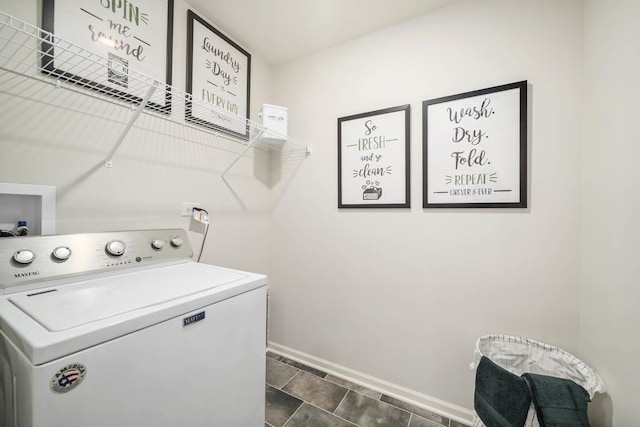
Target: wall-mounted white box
column 274, row 120
column 35, row 204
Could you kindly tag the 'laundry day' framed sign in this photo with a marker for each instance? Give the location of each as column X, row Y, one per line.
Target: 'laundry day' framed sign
column 475, row 149
column 218, row 74
column 373, row 159
column 125, row 35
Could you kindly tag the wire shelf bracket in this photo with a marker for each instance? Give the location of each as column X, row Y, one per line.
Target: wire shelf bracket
column 108, row 161
column 27, row 52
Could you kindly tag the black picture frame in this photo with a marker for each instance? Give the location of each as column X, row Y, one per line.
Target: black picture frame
column 374, row 159
column 119, row 25
column 233, row 67
column 475, row 149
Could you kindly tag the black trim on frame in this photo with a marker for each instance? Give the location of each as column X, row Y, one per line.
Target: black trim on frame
column 48, row 55
column 407, row 136
column 522, row 86
column 191, row 16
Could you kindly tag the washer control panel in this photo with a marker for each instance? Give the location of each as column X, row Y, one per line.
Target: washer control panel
column 33, row 259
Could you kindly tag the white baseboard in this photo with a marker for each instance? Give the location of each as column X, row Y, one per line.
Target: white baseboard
column 446, row 409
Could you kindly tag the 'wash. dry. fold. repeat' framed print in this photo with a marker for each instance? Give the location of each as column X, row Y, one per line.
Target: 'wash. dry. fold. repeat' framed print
column 373, row 159
column 475, row 149
column 218, row 76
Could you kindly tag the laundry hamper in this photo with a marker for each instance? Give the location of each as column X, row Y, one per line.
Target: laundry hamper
column 520, row 355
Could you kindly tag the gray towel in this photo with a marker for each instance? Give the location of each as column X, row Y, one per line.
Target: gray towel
column 559, row 402
column 501, row 399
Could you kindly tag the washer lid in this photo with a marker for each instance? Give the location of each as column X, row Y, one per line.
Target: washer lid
column 73, row 305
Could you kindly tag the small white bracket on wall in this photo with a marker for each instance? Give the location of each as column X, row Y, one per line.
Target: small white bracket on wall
column 108, row 160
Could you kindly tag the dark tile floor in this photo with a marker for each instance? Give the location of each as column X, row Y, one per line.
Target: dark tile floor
column 300, row 396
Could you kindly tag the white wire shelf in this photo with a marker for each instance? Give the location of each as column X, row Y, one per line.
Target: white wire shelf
column 27, row 53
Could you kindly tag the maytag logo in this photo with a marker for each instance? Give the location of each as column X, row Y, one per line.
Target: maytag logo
column 193, row 319
column 26, row 274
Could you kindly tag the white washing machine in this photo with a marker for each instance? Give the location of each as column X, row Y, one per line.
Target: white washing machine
column 123, row 329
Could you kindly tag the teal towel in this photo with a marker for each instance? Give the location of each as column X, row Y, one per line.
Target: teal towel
column 559, row 402
column 501, row 399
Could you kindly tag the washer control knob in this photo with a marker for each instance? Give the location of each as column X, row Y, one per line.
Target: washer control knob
column 157, row 244
column 176, row 241
column 116, row 248
column 61, row 253
column 24, row 256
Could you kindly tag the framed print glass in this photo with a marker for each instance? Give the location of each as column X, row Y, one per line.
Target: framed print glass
column 218, row 74
column 124, row 35
column 475, row 149
column 373, row 159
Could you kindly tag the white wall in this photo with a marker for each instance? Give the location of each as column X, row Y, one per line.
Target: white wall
column 402, row 295
column 610, row 294
column 152, row 173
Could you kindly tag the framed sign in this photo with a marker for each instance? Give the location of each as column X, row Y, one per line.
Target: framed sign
column 373, row 159
column 475, row 149
column 128, row 35
column 218, row 74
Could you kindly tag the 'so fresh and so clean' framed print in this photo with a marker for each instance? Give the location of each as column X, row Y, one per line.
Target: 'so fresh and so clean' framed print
column 475, row 149
column 128, row 35
column 218, row 74
column 373, row 159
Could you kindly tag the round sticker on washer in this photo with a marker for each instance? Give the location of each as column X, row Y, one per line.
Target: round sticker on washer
column 68, row 378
